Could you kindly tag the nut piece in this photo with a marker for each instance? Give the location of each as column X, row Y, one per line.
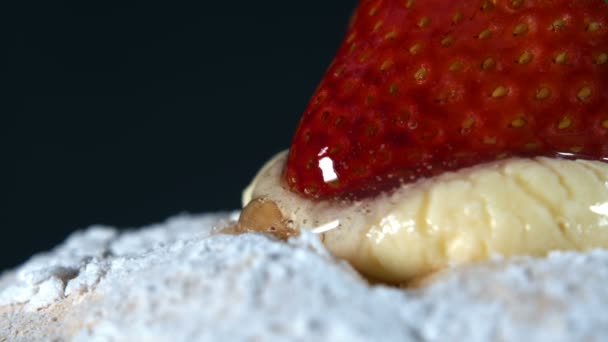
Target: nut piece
column 263, row 216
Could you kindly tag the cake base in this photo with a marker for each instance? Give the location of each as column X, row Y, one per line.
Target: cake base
column 182, row 281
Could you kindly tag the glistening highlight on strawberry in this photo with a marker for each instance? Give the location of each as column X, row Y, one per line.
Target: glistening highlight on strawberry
column 423, row 87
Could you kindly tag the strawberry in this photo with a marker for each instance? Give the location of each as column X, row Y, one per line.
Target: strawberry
column 421, row 87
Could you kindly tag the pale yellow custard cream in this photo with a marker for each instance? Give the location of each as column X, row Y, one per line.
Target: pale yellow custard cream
column 505, row 208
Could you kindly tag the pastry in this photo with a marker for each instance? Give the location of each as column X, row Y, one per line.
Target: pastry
column 449, row 132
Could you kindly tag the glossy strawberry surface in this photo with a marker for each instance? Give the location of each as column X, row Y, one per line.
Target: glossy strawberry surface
column 421, row 87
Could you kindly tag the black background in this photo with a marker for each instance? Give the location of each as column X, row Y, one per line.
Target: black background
column 125, row 113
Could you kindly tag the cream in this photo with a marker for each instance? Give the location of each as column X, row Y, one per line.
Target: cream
column 508, row 207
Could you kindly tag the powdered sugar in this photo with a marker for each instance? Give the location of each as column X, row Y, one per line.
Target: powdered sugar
column 181, row 281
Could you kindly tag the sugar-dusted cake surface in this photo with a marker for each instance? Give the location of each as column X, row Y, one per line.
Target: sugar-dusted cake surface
column 180, row 281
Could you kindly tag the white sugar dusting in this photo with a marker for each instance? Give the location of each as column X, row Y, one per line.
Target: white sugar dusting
column 181, row 281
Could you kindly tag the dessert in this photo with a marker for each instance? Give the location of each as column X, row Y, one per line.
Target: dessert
column 447, row 132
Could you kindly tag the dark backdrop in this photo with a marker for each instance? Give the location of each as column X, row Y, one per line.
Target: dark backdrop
column 124, row 113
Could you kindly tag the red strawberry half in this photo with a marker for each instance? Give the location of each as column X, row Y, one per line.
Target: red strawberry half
column 420, row 87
